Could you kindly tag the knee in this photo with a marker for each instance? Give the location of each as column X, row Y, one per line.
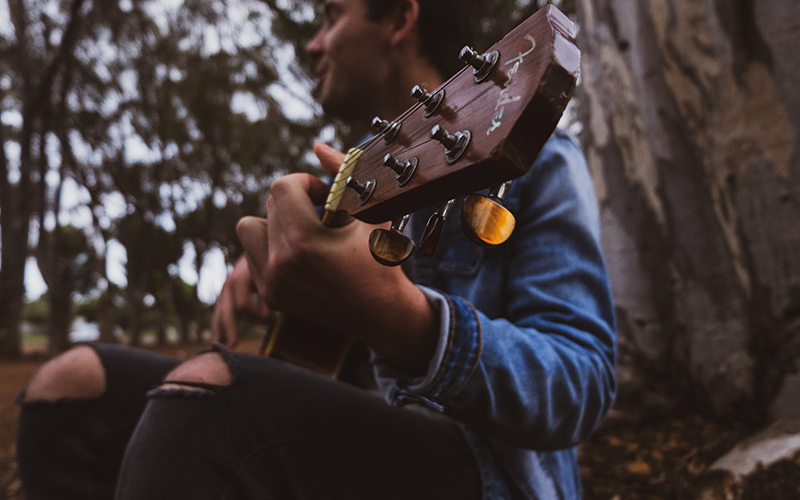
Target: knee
column 77, row 374
column 209, row 369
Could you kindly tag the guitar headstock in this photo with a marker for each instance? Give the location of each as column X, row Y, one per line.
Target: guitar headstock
column 482, row 127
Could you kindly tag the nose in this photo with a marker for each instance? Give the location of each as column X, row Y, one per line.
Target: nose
column 314, row 46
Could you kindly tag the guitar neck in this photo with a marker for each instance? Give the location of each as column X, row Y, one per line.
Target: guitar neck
column 339, row 186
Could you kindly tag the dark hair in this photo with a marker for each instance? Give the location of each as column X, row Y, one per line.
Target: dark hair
column 445, row 26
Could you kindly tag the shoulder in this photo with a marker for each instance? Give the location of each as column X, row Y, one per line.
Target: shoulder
column 559, row 181
column 562, row 147
column 560, row 165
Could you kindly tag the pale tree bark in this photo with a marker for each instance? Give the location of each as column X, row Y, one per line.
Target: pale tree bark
column 691, row 123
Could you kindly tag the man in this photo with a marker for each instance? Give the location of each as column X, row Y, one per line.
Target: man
column 509, row 352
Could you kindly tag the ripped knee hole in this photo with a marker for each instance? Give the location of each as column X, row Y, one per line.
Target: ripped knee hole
column 207, row 373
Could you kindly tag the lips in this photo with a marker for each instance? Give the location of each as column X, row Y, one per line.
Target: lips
column 319, row 78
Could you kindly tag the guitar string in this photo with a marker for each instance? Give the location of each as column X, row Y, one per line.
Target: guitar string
column 370, row 143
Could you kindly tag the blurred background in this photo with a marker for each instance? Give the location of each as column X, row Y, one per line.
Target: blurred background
column 135, row 134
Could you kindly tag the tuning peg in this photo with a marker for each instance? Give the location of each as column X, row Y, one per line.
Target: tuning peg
column 433, row 229
column 430, row 101
column 482, row 64
column 391, row 247
column 454, row 144
column 389, row 129
column 403, row 169
column 485, row 220
column 364, row 189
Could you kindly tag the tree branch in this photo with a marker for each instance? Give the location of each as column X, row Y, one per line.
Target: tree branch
column 64, row 52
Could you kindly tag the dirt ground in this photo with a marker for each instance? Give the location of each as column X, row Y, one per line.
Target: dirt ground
column 649, row 448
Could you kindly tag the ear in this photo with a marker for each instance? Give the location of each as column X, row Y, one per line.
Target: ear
column 404, row 21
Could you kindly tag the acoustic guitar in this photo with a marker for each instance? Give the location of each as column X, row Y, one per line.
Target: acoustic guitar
column 481, row 129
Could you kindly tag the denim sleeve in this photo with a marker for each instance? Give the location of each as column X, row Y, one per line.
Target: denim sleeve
column 542, row 373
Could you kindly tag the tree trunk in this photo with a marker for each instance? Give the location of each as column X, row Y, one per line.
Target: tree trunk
column 162, row 307
column 16, row 214
column 60, row 321
column 106, row 320
column 12, row 266
column 691, row 122
column 135, row 314
column 19, row 198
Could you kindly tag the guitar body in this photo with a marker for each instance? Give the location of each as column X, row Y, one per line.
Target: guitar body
column 308, row 344
column 507, row 113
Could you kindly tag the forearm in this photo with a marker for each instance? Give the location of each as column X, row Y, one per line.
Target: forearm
column 401, row 327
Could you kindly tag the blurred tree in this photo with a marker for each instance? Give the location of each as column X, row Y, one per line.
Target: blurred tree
column 33, row 54
column 167, row 110
column 185, row 307
column 691, row 120
column 66, row 262
column 143, row 120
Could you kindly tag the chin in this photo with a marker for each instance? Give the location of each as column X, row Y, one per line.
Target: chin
column 338, row 109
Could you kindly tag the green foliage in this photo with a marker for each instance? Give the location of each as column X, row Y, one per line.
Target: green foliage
column 36, row 312
column 70, row 261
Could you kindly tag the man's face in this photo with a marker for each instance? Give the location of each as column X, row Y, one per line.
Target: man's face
column 348, row 64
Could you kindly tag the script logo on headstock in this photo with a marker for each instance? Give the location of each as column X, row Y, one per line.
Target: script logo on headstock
column 505, row 98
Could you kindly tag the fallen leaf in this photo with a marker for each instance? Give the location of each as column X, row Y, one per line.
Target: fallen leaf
column 639, row 467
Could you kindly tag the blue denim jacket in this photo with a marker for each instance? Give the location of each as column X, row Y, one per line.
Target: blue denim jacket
column 526, row 355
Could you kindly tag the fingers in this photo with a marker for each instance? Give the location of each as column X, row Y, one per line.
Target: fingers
column 298, row 195
column 252, row 232
column 234, row 298
column 241, row 284
column 224, row 326
column 329, row 158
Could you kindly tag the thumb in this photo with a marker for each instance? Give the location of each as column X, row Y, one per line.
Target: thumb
column 329, row 158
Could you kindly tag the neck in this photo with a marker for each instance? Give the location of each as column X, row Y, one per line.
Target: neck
column 422, row 75
column 395, row 93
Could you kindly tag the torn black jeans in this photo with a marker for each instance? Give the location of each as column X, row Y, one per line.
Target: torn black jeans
column 278, row 432
column 72, row 449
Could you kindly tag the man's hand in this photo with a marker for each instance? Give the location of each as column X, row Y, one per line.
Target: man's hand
column 328, row 275
column 235, row 298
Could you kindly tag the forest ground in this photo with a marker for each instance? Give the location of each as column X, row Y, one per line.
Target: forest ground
column 649, row 448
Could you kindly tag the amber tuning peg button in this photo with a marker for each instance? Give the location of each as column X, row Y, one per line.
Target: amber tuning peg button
column 391, row 247
column 485, row 220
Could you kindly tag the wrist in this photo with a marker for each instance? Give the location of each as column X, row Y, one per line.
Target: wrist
column 407, row 331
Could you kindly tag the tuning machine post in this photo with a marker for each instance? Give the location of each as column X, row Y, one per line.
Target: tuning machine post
column 364, row 189
column 404, row 169
column 430, row 101
column 482, row 64
column 387, row 128
column 454, row 144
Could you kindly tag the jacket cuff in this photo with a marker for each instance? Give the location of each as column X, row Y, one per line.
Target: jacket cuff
column 456, row 357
